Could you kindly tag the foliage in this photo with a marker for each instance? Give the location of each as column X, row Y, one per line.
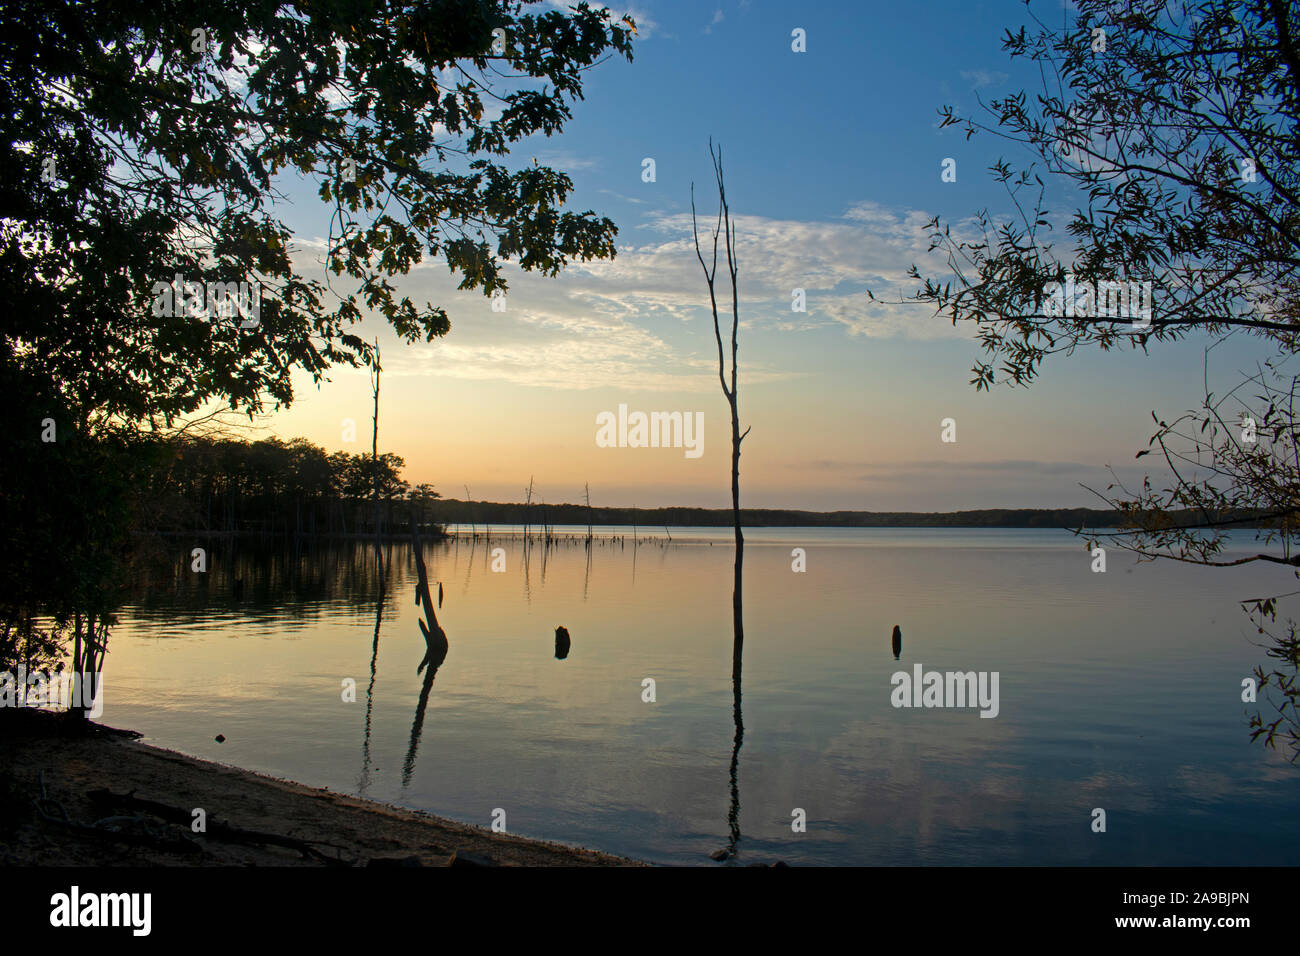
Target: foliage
column 1178, row 125
column 1183, row 135
column 150, row 146
column 171, row 130
column 68, row 511
column 274, row 486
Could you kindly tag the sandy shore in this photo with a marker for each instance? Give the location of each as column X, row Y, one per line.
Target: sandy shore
column 110, row 800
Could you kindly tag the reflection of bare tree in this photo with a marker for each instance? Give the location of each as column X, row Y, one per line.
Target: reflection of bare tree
column 737, row 739
column 417, row 728
column 528, row 580
column 586, row 578
column 469, row 565
column 738, row 722
column 364, row 783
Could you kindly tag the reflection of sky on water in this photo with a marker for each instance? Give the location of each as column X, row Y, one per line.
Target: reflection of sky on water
column 1118, row 690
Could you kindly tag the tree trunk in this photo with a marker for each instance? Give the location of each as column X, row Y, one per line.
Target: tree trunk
column 729, row 391
column 374, row 460
column 736, row 599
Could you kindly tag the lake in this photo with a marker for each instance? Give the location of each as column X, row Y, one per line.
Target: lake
column 1118, row 690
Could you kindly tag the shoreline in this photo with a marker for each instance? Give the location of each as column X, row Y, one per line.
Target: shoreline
column 144, row 801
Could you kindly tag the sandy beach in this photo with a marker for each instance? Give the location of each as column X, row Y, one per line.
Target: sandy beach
column 110, row 800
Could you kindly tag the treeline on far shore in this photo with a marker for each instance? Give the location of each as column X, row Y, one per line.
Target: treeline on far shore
column 277, row 487
column 452, row 511
column 296, row 487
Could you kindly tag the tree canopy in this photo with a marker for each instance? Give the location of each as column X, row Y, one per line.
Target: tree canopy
column 146, row 142
column 1177, row 124
column 148, row 265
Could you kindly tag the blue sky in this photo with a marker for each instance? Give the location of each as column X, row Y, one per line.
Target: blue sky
column 833, row 160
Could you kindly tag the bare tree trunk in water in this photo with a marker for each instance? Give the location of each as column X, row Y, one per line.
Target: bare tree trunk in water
column 374, row 461
column 723, row 228
column 528, row 510
column 586, row 491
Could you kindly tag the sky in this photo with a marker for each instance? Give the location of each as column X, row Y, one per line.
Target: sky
column 833, row 161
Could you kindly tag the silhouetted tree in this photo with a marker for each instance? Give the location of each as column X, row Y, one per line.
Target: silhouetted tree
column 1178, row 124
column 723, row 228
column 421, row 496
column 142, row 143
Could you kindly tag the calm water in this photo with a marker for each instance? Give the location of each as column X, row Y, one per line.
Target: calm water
column 1118, row 690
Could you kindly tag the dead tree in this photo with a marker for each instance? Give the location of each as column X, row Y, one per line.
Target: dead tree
column 528, row 508
column 435, row 638
column 586, row 491
column 723, row 228
column 374, row 463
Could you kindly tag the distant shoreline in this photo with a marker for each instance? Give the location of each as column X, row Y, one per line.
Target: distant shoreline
column 453, row 511
column 440, row 515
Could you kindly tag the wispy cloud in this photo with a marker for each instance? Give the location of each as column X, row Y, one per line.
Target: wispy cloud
column 980, row 79
column 835, row 263
column 641, row 320
column 565, row 161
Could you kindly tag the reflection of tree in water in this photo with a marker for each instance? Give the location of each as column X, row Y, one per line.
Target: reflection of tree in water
column 738, row 722
column 275, row 573
column 417, row 727
column 1279, row 686
column 363, row 784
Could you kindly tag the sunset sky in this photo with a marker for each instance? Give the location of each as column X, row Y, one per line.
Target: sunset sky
column 833, row 160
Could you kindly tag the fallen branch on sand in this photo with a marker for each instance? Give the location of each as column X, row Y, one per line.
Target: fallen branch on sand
column 216, row 830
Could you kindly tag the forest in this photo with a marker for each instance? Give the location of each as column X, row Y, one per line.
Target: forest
column 276, row 487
